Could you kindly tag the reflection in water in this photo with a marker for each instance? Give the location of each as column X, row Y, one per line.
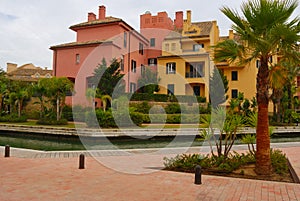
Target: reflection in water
column 55, row 143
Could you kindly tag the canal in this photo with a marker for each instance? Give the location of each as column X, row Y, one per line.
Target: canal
column 65, row 143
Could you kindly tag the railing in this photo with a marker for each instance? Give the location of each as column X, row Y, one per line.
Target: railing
column 193, row 75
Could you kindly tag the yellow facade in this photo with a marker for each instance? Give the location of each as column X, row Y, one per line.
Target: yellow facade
column 189, row 50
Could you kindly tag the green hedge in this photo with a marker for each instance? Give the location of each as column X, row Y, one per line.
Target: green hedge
column 108, row 120
column 165, row 98
column 52, row 122
column 171, row 118
column 13, row 118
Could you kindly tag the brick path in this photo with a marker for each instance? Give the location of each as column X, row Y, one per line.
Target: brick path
column 60, row 179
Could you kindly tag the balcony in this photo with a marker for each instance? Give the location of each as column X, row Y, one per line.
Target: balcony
column 194, row 75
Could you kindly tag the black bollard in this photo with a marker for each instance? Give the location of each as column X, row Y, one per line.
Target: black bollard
column 198, row 175
column 81, row 161
column 7, row 151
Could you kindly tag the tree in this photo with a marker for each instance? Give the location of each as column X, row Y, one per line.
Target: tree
column 40, row 91
column 108, row 79
column 57, row 90
column 3, row 89
column 265, row 29
column 148, row 83
column 218, row 87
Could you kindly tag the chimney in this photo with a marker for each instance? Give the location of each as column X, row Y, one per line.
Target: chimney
column 102, row 11
column 189, row 17
column 91, row 17
column 178, row 22
column 11, row 67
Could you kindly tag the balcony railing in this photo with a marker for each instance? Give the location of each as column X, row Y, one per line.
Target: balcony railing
column 193, row 75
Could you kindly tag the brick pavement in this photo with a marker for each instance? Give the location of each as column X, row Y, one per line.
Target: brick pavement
column 60, row 179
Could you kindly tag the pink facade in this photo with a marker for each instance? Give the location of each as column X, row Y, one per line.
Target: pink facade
column 109, row 37
column 105, row 37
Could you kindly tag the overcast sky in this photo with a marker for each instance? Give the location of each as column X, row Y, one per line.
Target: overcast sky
column 29, row 28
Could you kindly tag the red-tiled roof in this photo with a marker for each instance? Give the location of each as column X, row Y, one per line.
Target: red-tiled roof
column 96, row 22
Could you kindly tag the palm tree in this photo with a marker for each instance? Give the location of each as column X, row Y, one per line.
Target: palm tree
column 265, row 29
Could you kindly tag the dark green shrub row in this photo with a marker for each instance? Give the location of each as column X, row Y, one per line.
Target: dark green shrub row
column 13, row 118
column 77, row 113
column 106, row 119
column 52, row 122
column 165, row 98
column 172, row 108
column 171, row 118
column 188, row 162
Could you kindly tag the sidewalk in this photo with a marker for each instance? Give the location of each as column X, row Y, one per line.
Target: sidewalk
column 60, row 179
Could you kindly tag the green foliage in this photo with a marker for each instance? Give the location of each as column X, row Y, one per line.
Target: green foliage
column 173, row 108
column 279, row 162
column 148, row 82
column 143, row 107
column 52, row 122
column 188, row 162
column 218, row 87
column 13, row 118
column 107, row 78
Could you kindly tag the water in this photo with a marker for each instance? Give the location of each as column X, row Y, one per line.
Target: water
column 62, row 143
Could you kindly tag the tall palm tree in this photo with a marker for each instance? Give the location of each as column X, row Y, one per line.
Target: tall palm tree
column 265, row 29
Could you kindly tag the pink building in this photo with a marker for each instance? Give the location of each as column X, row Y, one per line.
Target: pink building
column 103, row 37
column 109, row 37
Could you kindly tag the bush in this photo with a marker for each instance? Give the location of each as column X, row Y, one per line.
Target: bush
column 109, row 120
column 143, row 107
column 13, row 118
column 52, row 122
column 279, row 162
column 188, row 162
column 173, row 108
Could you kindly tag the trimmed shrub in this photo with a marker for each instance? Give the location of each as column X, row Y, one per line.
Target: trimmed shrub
column 52, row 122
column 13, row 118
column 173, row 108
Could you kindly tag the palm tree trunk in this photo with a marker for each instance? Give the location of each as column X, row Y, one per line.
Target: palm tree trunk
column 263, row 160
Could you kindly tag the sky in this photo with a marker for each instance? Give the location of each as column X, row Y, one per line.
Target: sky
column 29, row 28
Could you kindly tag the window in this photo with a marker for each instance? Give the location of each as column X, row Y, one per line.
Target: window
column 171, row 68
column 234, row 93
column 37, row 75
column 141, row 48
column 195, row 70
column 142, row 69
column 133, row 66
column 152, row 42
column 197, row 47
column 160, row 19
column 196, row 90
column 167, row 47
column 173, row 46
column 132, row 87
column 77, row 58
column 234, row 75
column 152, row 61
column 257, row 63
column 122, row 63
column 154, row 20
column 271, row 59
column 171, row 89
column 125, row 39
column 48, row 75
column 147, row 21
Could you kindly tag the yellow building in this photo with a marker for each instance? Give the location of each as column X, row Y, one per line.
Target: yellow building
column 186, row 62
